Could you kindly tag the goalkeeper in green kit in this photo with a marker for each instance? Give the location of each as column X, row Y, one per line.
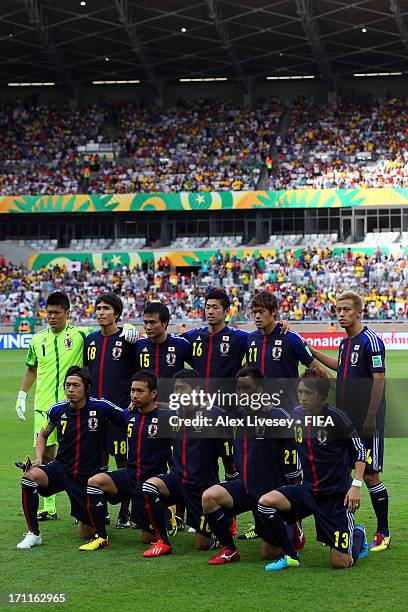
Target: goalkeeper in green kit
column 51, row 353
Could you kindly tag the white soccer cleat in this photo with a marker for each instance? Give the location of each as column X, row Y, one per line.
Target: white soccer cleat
column 30, row 540
column 191, row 530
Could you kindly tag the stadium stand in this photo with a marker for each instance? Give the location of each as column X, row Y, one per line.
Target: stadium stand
column 305, row 285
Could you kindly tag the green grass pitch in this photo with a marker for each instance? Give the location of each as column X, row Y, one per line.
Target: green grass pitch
column 120, row 579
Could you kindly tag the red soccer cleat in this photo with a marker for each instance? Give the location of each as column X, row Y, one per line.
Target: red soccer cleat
column 233, row 528
column 158, row 549
column 298, row 539
column 225, row 556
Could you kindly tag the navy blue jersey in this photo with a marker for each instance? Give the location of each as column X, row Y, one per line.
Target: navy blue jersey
column 359, row 358
column 81, row 433
column 147, row 451
column 327, row 450
column 111, row 362
column 265, row 463
column 217, row 355
column 164, row 359
column 195, row 459
column 278, row 355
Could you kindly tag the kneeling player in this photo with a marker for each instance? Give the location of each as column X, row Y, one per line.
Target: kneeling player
column 194, row 469
column 328, row 445
column 147, row 456
column 264, row 463
column 80, row 423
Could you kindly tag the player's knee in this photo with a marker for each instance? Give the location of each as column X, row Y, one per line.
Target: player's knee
column 269, row 499
column 372, row 479
column 210, row 500
column 96, row 480
column 340, row 560
column 85, row 531
column 270, row 553
column 146, row 537
column 202, row 543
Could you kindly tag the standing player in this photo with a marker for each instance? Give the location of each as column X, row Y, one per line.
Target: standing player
column 79, row 423
column 194, row 469
column 277, row 355
column 360, row 393
column 217, row 354
column 328, row 445
column 161, row 353
column 51, row 353
column 111, row 362
column 264, row 463
column 147, row 457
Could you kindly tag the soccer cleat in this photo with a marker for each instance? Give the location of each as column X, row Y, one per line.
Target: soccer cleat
column 250, row 534
column 180, row 523
column 44, row 515
column 30, row 540
column 225, row 556
column 381, row 542
column 123, row 520
column 191, row 530
column 298, row 539
column 364, row 546
column 282, row 563
column 158, row 549
column 173, row 527
column 94, row 544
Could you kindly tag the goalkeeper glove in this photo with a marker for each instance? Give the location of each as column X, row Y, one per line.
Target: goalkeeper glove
column 130, row 334
column 21, row 405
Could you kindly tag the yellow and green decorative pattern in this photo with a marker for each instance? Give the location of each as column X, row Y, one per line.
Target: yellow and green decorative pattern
column 226, row 200
column 177, row 258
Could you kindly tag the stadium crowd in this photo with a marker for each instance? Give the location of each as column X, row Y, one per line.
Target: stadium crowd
column 351, row 142
column 305, row 283
column 204, row 145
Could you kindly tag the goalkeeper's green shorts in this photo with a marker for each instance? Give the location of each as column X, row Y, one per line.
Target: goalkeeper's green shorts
column 40, row 420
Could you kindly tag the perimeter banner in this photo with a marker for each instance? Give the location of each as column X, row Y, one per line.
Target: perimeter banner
column 189, row 201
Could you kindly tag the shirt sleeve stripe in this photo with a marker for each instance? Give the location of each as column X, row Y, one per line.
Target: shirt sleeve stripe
column 373, row 340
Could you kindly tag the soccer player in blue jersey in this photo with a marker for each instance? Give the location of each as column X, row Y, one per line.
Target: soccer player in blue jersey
column 328, row 445
column 217, row 349
column 360, row 393
column 277, row 355
column 147, row 457
column 161, row 352
column 194, row 469
column 111, row 361
column 80, row 423
column 264, row 461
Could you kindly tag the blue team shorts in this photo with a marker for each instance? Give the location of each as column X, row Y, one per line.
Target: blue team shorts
column 60, row 479
column 334, row 522
column 191, row 496
column 128, row 488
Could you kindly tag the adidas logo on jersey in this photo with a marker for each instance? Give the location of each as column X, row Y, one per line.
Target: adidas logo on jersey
column 253, row 343
column 145, row 350
column 92, row 343
column 198, row 338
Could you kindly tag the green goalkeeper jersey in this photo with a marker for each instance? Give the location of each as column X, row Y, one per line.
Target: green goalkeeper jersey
column 52, row 355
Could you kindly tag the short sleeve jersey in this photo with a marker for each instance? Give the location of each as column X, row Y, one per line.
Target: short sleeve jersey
column 52, row 355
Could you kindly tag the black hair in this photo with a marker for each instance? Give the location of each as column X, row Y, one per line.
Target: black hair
column 159, row 309
column 265, row 299
column 57, row 298
column 187, row 373
column 113, row 300
column 317, row 379
column 217, row 294
column 83, row 374
column 147, row 377
column 251, row 372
